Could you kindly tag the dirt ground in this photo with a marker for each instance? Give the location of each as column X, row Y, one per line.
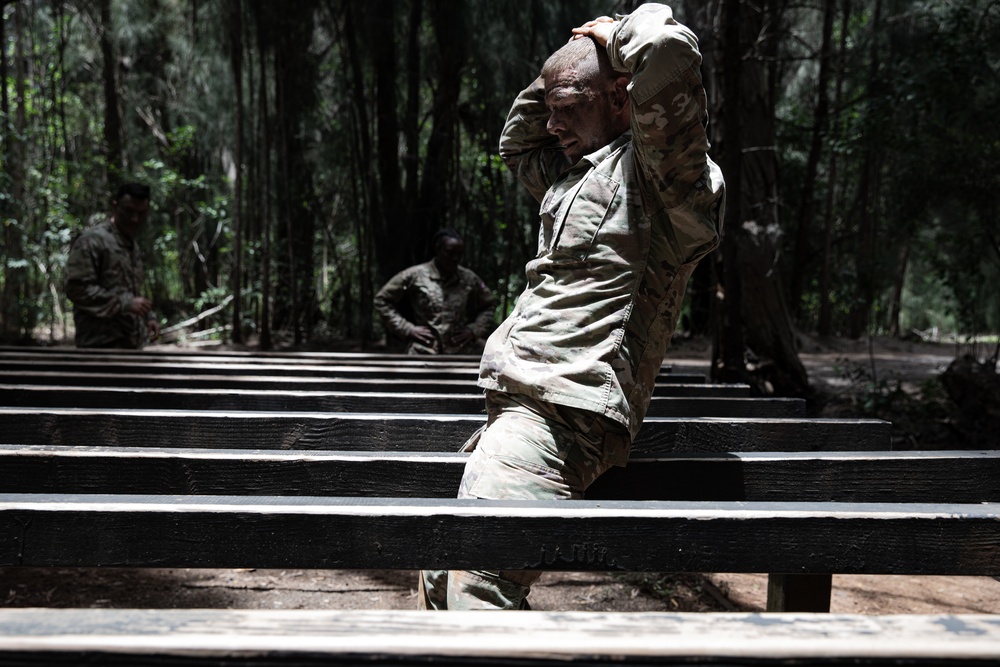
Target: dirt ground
column 838, row 369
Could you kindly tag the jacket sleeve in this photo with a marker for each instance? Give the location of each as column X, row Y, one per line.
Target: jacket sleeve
column 387, row 302
column 669, row 105
column 83, row 286
column 528, row 150
column 669, row 125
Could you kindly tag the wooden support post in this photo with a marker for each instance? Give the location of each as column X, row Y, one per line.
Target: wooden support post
column 799, row 592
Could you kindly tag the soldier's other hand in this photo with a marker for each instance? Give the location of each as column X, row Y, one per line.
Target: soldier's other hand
column 422, row 335
column 141, row 305
column 599, row 28
column 463, row 337
column 154, row 329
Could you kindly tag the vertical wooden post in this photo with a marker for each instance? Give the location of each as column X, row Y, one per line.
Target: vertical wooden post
column 799, row 592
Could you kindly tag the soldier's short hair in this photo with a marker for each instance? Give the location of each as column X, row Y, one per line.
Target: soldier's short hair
column 445, row 233
column 133, row 190
column 585, row 56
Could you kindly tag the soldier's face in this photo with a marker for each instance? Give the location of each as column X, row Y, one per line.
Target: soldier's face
column 448, row 255
column 129, row 214
column 581, row 116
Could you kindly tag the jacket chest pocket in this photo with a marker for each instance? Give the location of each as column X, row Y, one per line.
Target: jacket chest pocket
column 582, row 214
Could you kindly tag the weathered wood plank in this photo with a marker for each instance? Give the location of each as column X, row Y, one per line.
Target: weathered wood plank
column 310, row 532
column 372, row 370
column 342, row 401
column 898, row 477
column 400, row 432
column 373, row 637
column 305, row 383
column 259, row 357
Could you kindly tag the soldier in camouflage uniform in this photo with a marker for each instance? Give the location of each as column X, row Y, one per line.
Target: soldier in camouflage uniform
column 450, row 306
column 611, row 139
column 104, row 278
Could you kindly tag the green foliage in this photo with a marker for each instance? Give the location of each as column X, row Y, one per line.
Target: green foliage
column 926, row 114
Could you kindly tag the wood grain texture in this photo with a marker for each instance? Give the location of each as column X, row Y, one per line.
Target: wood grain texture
column 305, row 364
column 312, row 401
column 400, row 432
column 16, row 369
column 70, row 530
column 958, row 477
column 307, row 383
column 301, row 637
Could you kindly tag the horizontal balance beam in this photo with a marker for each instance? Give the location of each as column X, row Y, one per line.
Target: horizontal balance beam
column 401, row 370
column 304, row 383
column 885, row 477
column 69, row 530
column 207, row 637
column 305, row 401
column 166, row 355
column 401, row 432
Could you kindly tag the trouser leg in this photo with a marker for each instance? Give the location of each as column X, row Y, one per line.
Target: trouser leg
column 530, row 450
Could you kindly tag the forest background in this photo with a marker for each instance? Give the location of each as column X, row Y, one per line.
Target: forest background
column 300, row 153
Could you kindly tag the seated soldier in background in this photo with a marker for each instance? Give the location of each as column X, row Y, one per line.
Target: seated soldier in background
column 104, row 276
column 450, row 306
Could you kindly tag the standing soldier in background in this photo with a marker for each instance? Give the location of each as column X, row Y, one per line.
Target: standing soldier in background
column 104, row 278
column 448, row 307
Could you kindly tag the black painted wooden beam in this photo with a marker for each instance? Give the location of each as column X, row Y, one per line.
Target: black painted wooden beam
column 898, row 477
column 312, row 401
column 401, row 432
column 306, row 383
column 311, row 532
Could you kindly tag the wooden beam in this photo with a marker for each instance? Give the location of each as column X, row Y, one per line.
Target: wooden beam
column 341, row 401
column 306, row 383
column 898, row 477
column 401, row 432
column 68, row 530
column 387, row 369
column 527, row 639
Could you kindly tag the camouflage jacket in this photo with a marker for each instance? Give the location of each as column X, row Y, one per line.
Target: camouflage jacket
column 621, row 231
column 103, row 273
column 420, row 296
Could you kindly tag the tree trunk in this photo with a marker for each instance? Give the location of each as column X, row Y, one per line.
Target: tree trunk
column 728, row 343
column 112, row 117
column 804, row 248
column 15, row 301
column 864, row 293
column 264, row 151
column 824, row 326
column 236, row 60
column 436, row 188
column 295, row 77
column 368, row 216
column 394, row 237
column 897, row 289
column 752, row 313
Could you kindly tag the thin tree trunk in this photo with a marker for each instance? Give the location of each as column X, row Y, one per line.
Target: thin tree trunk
column 112, row 118
column 804, row 249
column 15, row 320
column 394, row 236
column 897, row 290
column 367, row 221
column 864, row 294
column 825, row 325
column 728, row 343
column 265, row 189
column 236, row 59
column 439, row 166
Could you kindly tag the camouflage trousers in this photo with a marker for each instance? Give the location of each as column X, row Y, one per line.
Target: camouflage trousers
column 528, row 450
